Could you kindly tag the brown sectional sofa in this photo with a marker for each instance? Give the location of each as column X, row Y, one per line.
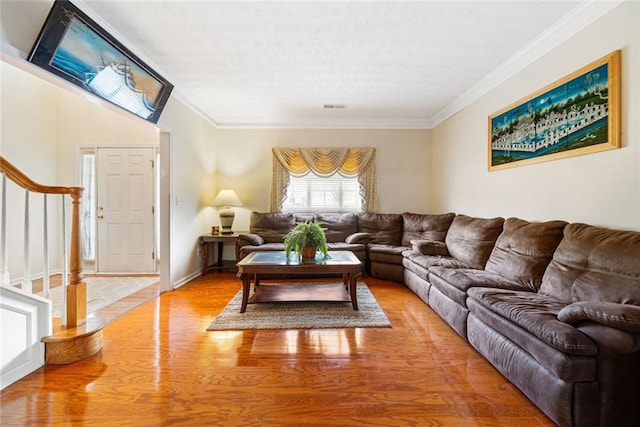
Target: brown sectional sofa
column 555, row 307
column 391, row 235
column 267, row 231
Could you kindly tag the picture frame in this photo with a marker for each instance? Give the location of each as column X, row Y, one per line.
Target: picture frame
column 578, row 114
column 73, row 46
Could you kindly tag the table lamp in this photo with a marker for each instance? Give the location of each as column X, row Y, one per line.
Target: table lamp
column 226, row 199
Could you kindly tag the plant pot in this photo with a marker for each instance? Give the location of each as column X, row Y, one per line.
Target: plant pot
column 308, row 252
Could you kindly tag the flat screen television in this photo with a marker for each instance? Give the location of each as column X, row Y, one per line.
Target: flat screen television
column 72, row 46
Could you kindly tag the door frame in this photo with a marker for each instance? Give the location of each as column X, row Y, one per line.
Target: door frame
column 165, row 209
column 156, row 203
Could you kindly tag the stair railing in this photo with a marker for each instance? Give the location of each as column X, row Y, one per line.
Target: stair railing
column 74, row 311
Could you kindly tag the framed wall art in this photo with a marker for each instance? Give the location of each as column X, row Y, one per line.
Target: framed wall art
column 578, row 114
column 74, row 47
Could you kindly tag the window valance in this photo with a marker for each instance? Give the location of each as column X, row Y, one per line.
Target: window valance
column 324, row 162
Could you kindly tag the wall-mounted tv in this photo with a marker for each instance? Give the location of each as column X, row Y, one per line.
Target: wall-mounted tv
column 72, row 46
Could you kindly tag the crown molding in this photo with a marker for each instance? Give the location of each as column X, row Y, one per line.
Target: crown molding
column 328, row 124
column 583, row 15
column 569, row 25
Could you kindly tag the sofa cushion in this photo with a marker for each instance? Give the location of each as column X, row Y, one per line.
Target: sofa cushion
column 251, row 239
column 338, row 227
column 385, row 253
column 375, row 248
column 429, row 247
column 602, row 287
column 625, row 317
column 359, row 238
column 272, row 227
column 565, row 366
column 304, row 217
column 524, row 249
column 343, row 246
column 471, row 240
column 246, row 250
column 594, row 264
column 425, row 227
column 535, row 313
column 426, row 261
column 385, row 229
column 454, row 282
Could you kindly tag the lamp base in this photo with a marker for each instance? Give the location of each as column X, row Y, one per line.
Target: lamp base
column 226, row 220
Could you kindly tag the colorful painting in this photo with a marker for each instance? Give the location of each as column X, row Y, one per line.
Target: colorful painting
column 74, row 47
column 576, row 115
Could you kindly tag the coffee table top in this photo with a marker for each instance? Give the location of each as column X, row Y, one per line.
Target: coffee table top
column 278, row 258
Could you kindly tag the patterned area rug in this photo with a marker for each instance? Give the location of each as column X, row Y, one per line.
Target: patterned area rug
column 302, row 315
column 102, row 291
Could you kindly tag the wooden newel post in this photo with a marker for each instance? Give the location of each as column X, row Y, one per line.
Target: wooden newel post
column 77, row 289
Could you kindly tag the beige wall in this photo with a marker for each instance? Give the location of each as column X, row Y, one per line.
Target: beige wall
column 43, row 127
column 28, row 139
column 601, row 188
column 45, row 120
column 418, row 170
column 402, row 159
column 193, row 172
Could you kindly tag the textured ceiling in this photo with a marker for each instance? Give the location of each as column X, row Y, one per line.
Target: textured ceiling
column 275, row 64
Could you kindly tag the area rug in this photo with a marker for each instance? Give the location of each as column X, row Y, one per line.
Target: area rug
column 302, row 315
column 102, row 291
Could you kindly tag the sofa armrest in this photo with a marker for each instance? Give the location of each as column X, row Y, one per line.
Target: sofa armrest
column 356, row 238
column 625, row 317
column 429, row 247
column 250, row 239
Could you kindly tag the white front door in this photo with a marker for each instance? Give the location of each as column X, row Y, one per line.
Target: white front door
column 125, row 210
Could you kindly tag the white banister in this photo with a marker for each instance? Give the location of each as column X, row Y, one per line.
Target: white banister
column 65, row 264
column 4, row 254
column 45, row 274
column 74, row 289
column 27, row 286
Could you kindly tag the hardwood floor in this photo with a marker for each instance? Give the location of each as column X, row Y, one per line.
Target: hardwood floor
column 160, row 366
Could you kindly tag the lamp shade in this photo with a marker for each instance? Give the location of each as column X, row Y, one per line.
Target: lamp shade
column 227, row 198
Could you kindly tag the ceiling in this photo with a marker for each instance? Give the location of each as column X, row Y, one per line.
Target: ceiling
column 392, row 64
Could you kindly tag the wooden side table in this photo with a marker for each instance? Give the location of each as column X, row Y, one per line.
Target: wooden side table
column 207, row 240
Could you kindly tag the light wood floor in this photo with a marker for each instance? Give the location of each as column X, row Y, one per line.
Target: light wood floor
column 159, row 366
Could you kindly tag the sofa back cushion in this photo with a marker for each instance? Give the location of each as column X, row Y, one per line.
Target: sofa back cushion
column 338, row 227
column 272, row 227
column 471, row 240
column 383, row 229
column 595, row 264
column 524, row 249
column 425, row 227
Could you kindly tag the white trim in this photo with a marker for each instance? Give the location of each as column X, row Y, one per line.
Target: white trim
column 330, row 124
column 566, row 27
column 583, row 15
column 186, row 279
column 21, row 341
column 165, row 208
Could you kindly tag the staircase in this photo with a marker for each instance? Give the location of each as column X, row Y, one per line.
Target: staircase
column 54, row 340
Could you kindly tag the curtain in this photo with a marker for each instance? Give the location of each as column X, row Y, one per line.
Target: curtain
column 324, row 162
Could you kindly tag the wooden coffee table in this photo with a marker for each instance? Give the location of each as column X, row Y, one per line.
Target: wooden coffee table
column 259, row 265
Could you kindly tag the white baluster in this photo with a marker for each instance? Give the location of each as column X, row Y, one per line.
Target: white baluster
column 65, row 265
column 4, row 254
column 26, row 282
column 45, row 278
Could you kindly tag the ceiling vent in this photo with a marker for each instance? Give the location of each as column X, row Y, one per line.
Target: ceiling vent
column 334, row 106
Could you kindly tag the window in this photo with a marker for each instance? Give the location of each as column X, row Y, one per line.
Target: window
column 323, row 179
column 311, row 193
column 88, row 205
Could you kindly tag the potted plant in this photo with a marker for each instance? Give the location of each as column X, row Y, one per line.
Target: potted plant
column 305, row 239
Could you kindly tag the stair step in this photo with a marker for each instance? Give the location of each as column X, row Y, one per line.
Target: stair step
column 71, row 344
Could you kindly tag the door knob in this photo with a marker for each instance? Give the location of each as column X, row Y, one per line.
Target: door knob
column 100, row 216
